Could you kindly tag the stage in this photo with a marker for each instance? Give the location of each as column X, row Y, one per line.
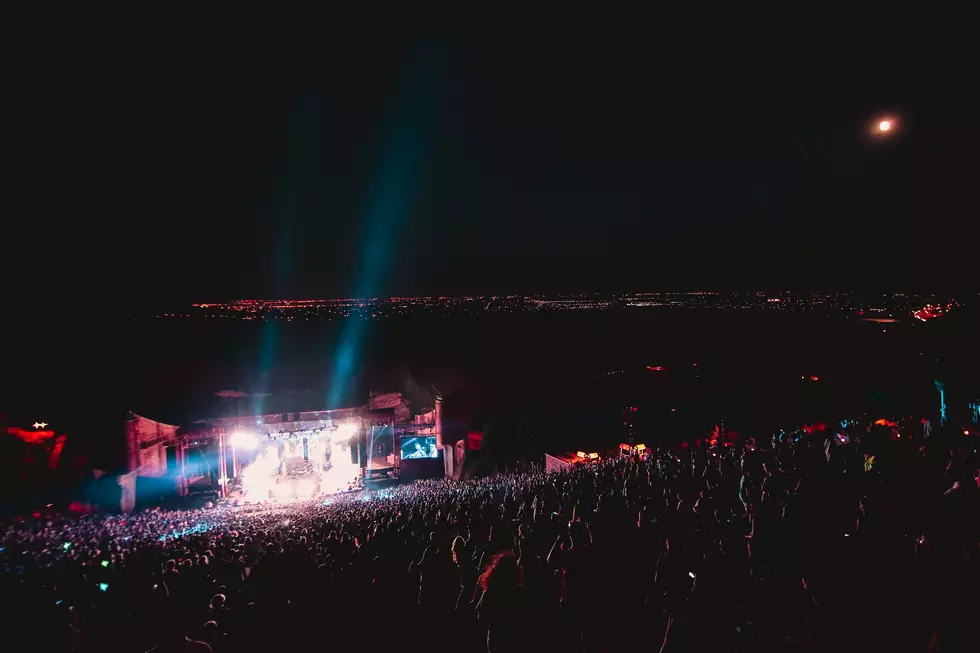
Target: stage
column 294, row 466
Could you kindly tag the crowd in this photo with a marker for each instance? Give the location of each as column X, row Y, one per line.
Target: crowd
column 801, row 545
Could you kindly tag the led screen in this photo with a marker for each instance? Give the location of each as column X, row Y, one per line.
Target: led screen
column 414, row 448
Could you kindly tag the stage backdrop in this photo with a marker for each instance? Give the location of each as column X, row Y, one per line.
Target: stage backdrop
column 146, row 442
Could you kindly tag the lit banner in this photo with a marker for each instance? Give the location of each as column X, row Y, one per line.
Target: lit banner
column 30, row 437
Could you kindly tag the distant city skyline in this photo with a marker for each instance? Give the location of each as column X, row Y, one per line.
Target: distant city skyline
column 582, row 293
column 933, row 304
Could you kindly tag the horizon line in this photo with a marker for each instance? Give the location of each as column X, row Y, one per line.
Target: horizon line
column 565, row 293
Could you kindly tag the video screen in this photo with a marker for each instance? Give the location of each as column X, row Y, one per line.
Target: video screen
column 414, row 448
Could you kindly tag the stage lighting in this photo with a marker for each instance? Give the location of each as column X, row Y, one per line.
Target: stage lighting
column 242, row 440
column 344, row 432
column 279, row 492
column 304, row 489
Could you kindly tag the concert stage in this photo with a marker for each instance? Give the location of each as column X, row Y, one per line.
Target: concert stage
column 301, row 465
column 287, row 456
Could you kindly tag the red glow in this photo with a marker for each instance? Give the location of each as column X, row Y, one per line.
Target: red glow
column 30, row 437
column 928, row 313
column 885, row 422
column 59, row 444
column 814, row 378
column 656, row 368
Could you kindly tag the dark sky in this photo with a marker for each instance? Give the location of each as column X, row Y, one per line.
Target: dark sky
column 401, row 156
column 443, row 161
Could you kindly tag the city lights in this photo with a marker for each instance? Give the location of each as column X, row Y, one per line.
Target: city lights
column 884, row 127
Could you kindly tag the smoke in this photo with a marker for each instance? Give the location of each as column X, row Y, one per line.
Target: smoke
column 258, row 479
column 342, row 471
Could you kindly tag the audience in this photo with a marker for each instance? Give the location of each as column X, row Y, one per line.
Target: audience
column 726, row 548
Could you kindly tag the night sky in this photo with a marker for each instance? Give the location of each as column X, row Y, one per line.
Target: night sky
column 442, row 161
column 399, row 156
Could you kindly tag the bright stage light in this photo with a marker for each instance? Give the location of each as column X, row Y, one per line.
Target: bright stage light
column 258, row 479
column 344, row 432
column 305, row 489
column 279, row 491
column 884, row 125
column 242, row 440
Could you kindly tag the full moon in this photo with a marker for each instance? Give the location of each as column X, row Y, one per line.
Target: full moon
column 884, row 125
